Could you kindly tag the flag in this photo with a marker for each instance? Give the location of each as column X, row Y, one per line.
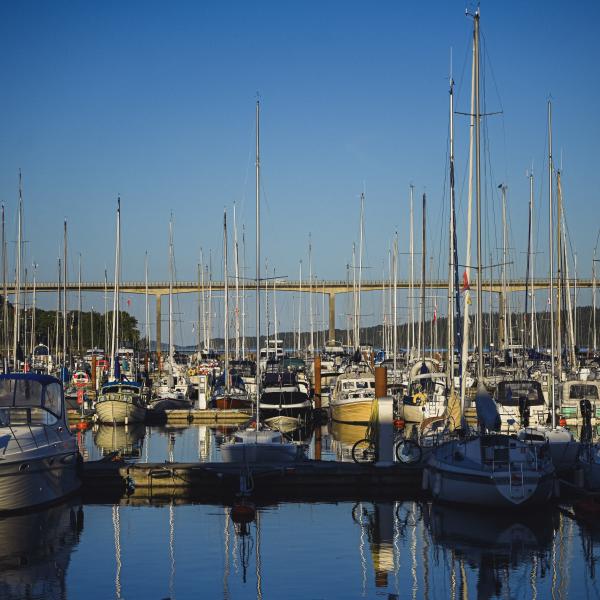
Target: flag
column 128, row 301
column 466, row 285
column 435, row 314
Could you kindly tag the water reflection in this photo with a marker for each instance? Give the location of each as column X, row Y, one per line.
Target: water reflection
column 127, row 440
column 493, row 543
column 35, row 551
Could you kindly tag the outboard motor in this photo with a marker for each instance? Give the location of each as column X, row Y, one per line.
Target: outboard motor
column 585, row 406
column 524, row 412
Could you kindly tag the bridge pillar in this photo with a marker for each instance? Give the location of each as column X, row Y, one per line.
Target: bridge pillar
column 331, row 316
column 158, row 298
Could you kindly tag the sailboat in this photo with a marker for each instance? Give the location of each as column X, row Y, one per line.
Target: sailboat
column 488, row 469
column 172, row 391
column 229, row 391
column 119, row 401
column 259, row 445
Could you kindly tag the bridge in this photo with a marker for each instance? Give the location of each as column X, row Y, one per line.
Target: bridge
column 331, row 288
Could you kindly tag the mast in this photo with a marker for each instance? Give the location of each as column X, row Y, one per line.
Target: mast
column 33, row 304
column 226, row 301
column 243, row 292
column 114, row 348
column 257, row 263
column 275, row 331
column 354, row 297
column 105, row 311
column 411, row 285
column 451, row 265
column 529, row 274
column 594, row 299
column 465, row 335
column 16, row 331
column 310, row 296
column 58, row 308
column 171, row 275
column 203, row 301
column 505, row 339
column 423, row 266
column 65, row 313
column 551, row 260
column 237, row 286
column 209, row 327
column 360, row 255
column 478, row 203
column 147, row 307
column 395, row 303
column 559, row 278
column 79, row 307
column 299, row 312
column 5, row 340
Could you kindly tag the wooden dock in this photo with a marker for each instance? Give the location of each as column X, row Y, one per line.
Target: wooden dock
column 111, row 480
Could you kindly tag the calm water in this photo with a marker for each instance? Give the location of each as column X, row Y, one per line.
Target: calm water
column 365, row 549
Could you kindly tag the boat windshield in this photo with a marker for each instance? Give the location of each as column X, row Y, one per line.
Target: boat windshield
column 29, row 401
column 581, row 391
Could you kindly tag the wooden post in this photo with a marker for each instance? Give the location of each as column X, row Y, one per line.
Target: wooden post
column 93, row 372
column 317, row 381
column 380, row 382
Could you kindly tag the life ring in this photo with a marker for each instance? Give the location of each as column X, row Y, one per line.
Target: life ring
column 419, row 398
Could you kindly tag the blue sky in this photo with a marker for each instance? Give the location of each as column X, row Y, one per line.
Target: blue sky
column 155, row 101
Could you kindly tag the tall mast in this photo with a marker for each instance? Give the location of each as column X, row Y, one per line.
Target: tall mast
column 559, row 278
column 529, row 274
column 395, row 303
column 451, row 265
column 237, row 286
column 478, row 203
column 257, row 263
column 171, row 275
column 58, row 308
column 33, row 304
column 411, row 285
column 551, row 259
column 310, row 296
column 298, row 347
column 16, row 330
column 209, row 326
column 226, row 301
column 243, row 292
column 147, row 307
column 79, row 307
column 5, row 342
column 423, row 266
column 505, row 339
column 594, row 299
column 105, row 310
column 275, row 329
column 465, row 331
column 360, row 255
column 114, row 347
column 203, row 298
column 355, row 298
column 65, row 277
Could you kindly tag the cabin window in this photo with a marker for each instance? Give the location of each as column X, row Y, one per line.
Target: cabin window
column 579, row 392
column 6, row 392
column 28, row 392
column 52, row 401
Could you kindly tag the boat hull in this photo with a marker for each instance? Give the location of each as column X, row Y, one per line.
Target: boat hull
column 31, row 482
column 463, row 487
column 119, row 411
column 352, row 412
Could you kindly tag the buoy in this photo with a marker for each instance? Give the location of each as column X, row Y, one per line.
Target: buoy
column 82, row 425
column 562, row 422
column 243, row 512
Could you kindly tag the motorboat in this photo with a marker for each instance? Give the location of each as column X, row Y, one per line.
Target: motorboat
column 522, row 402
column 120, row 402
column 38, row 454
column 260, row 446
column 572, row 393
column 283, row 400
column 353, row 395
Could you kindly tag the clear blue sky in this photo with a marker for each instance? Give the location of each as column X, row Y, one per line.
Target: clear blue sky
column 155, row 101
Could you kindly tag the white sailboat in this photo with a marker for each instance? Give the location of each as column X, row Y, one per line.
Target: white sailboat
column 119, row 401
column 259, row 445
column 488, row 469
